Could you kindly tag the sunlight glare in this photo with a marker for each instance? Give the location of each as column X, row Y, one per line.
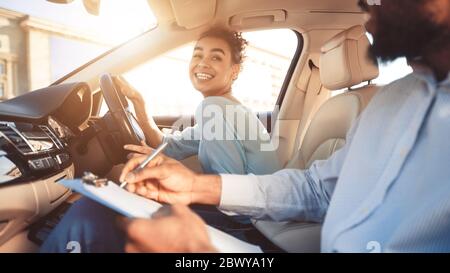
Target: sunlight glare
column 122, row 20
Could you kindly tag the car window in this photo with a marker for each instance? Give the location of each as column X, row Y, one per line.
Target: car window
column 41, row 41
column 165, row 85
column 391, row 71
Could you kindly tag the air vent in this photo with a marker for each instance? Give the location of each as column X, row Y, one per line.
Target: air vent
column 18, row 141
column 52, row 136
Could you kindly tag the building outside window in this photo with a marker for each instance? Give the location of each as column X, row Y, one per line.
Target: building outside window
column 3, row 79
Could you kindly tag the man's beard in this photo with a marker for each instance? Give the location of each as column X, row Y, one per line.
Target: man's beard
column 404, row 29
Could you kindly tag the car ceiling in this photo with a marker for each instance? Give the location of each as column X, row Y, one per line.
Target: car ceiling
column 175, row 28
column 190, row 14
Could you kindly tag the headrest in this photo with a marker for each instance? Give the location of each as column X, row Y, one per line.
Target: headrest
column 345, row 62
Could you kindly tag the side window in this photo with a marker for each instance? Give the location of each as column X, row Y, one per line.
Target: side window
column 391, row 71
column 269, row 56
column 165, row 85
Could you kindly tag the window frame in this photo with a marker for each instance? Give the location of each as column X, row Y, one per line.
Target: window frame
column 290, row 72
column 4, row 78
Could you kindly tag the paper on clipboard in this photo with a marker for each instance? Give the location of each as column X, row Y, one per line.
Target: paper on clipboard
column 134, row 206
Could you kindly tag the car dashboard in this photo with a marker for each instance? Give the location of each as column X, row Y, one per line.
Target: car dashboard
column 29, row 151
column 35, row 154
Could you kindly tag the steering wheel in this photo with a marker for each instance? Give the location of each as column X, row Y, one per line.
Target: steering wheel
column 130, row 131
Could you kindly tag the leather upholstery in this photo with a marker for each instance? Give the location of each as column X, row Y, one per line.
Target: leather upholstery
column 345, row 61
column 342, row 64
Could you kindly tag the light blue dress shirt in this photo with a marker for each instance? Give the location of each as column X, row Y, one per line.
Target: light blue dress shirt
column 228, row 138
column 389, row 186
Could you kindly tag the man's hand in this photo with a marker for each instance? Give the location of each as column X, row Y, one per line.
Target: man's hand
column 172, row 229
column 166, row 180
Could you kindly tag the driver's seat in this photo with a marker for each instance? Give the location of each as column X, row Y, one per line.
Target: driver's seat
column 343, row 63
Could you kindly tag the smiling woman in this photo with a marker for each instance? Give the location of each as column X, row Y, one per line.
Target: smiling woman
column 216, row 62
column 214, row 66
column 266, row 60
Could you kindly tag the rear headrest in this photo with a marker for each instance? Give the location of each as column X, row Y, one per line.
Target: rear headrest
column 345, row 62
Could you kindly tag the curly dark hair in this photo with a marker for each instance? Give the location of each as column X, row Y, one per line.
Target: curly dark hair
column 233, row 38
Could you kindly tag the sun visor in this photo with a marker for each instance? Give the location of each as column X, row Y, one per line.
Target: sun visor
column 193, row 13
column 162, row 10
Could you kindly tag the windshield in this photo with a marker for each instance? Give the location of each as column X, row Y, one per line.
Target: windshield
column 41, row 41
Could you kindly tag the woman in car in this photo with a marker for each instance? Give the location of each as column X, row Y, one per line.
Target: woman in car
column 227, row 137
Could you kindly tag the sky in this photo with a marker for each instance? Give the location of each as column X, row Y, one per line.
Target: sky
column 110, row 24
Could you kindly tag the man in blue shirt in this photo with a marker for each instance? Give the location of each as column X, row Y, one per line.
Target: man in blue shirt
column 390, row 183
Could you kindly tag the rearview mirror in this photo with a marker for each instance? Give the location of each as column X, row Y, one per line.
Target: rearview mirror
column 91, row 6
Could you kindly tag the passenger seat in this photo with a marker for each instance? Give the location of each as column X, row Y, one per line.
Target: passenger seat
column 344, row 63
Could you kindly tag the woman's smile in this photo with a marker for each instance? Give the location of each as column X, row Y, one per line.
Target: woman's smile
column 211, row 68
column 203, row 76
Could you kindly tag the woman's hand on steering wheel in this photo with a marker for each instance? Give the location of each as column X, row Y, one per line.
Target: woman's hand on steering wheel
column 137, row 150
column 128, row 90
column 136, row 98
column 148, row 125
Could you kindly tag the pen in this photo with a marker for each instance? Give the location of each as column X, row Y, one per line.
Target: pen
column 144, row 163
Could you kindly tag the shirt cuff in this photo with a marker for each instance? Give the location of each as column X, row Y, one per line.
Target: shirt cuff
column 237, row 191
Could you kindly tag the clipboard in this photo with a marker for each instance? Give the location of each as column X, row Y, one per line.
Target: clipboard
column 135, row 206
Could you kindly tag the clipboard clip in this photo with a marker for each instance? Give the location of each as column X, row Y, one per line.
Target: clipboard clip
column 92, row 179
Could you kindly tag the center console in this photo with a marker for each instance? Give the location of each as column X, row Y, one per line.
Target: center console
column 33, row 158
